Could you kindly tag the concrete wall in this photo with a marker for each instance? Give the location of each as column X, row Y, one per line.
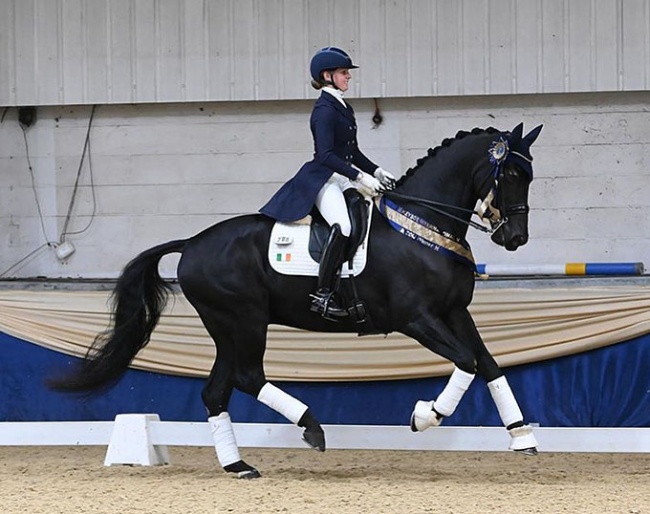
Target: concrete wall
column 161, row 172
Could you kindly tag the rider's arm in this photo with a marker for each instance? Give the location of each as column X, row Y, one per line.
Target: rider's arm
column 362, row 162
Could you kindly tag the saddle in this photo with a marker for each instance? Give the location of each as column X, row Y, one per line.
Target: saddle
column 296, row 249
column 320, row 229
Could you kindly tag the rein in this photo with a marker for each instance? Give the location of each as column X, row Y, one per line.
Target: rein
column 436, row 207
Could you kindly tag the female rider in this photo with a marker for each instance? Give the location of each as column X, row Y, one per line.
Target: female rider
column 322, row 180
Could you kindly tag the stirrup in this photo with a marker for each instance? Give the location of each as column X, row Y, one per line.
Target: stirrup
column 326, row 306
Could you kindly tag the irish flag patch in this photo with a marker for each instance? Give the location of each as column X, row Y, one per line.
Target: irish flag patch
column 283, row 257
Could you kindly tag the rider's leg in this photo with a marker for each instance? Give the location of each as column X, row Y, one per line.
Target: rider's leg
column 323, row 300
column 331, row 204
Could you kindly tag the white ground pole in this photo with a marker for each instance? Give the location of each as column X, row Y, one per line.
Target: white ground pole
column 143, row 439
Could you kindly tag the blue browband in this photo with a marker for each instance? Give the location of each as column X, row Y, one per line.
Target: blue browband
column 425, row 233
column 504, row 149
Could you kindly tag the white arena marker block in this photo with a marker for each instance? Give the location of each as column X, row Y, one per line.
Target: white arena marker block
column 131, row 442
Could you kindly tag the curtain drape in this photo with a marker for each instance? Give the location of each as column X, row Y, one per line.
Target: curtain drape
column 518, row 325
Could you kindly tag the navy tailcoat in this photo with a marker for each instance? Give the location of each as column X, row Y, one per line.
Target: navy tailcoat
column 334, row 129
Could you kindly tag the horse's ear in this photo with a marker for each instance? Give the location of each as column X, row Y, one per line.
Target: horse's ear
column 517, row 132
column 532, row 135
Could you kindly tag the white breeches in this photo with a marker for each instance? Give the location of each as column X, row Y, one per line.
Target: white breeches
column 331, row 203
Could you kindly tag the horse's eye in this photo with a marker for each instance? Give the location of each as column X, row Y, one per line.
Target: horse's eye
column 511, row 173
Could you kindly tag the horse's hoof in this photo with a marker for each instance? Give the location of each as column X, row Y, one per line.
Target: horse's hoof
column 523, row 440
column 315, row 440
column 413, row 427
column 424, row 416
column 242, row 470
column 528, row 451
column 249, row 475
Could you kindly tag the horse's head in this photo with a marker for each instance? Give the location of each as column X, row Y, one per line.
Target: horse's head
column 506, row 205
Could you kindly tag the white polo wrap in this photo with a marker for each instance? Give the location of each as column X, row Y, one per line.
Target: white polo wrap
column 281, row 402
column 451, row 395
column 505, row 401
column 224, row 439
column 423, row 416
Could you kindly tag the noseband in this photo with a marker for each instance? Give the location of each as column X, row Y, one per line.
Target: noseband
column 494, row 209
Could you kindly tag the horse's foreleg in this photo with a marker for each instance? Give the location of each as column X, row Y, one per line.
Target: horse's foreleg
column 522, row 437
column 437, row 336
column 431, row 413
column 296, row 412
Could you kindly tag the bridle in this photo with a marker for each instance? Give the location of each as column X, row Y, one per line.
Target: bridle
column 493, row 208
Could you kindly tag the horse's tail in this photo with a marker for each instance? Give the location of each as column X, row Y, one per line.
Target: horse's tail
column 138, row 300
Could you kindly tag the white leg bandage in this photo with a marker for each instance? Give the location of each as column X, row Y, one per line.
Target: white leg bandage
column 424, row 416
column 224, row 439
column 281, row 402
column 451, row 395
column 505, row 401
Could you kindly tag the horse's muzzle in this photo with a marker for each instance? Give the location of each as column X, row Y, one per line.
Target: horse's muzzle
column 509, row 239
column 515, row 242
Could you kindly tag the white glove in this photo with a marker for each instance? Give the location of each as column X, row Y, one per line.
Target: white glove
column 368, row 185
column 386, row 178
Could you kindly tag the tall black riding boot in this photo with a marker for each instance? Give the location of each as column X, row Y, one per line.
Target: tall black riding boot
column 323, row 300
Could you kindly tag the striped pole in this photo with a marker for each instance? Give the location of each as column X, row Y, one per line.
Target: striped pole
column 570, row 268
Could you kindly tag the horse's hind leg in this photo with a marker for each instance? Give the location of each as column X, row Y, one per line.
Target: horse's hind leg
column 296, row 412
column 243, row 338
column 216, row 396
column 249, row 378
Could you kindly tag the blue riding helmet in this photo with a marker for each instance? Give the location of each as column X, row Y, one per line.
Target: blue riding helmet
column 329, row 58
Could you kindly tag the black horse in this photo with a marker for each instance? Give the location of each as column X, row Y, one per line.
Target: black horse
column 419, row 280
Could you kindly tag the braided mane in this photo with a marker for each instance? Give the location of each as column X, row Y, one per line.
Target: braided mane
column 431, row 152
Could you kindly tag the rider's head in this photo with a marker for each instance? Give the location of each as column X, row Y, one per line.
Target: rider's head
column 330, row 67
